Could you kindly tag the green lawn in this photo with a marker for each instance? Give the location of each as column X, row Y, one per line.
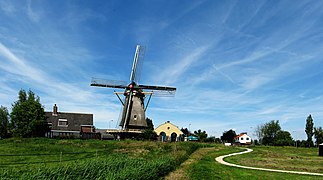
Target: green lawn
column 208, row 168
column 285, row 158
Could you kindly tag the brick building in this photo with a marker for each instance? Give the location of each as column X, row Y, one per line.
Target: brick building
column 63, row 124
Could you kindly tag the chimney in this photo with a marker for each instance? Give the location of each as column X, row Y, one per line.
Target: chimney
column 55, row 110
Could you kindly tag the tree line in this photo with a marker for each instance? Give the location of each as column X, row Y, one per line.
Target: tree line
column 27, row 118
column 272, row 134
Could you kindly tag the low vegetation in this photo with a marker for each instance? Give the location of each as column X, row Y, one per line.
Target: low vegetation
column 285, row 158
column 207, row 168
column 93, row 159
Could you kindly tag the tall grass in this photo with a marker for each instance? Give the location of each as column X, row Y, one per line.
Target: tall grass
column 94, row 159
column 113, row 167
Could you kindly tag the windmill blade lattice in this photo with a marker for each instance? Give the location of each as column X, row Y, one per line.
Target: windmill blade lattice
column 108, row 83
column 137, row 64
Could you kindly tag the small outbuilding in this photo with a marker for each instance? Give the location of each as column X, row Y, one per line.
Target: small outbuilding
column 321, row 149
column 168, row 132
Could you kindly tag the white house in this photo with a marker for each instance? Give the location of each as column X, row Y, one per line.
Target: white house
column 243, row 138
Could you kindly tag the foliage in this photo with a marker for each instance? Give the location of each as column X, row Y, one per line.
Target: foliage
column 318, row 135
column 185, row 131
column 256, row 142
column 258, row 132
column 148, row 134
column 4, row 122
column 309, row 130
column 283, row 138
column 150, row 124
column 28, row 117
column 302, row 143
column 228, row 136
column 269, row 132
column 201, row 135
column 213, row 140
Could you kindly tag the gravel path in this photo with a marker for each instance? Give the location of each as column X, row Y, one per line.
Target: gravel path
column 220, row 160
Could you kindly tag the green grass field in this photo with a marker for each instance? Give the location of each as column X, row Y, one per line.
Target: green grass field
column 205, row 166
column 92, row 159
column 95, row 159
column 285, row 158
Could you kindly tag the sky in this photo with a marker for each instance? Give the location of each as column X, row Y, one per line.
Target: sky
column 235, row 64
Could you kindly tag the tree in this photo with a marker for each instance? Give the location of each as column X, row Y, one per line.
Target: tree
column 150, row 124
column 186, row 132
column 318, row 135
column 213, row 139
column 228, row 136
column 201, row 135
column 4, row 122
column 283, row 138
column 148, row 134
column 28, row 117
column 259, row 134
column 309, row 130
column 269, row 132
column 303, row 143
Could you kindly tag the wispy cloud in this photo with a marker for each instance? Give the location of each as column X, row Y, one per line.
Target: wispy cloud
column 7, row 7
column 172, row 74
column 35, row 17
column 55, row 90
column 235, row 64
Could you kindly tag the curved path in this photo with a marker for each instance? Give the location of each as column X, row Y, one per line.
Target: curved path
column 220, row 160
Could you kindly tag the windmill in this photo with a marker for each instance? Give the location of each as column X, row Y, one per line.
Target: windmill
column 133, row 113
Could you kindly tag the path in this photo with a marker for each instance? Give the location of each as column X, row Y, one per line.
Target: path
column 220, row 160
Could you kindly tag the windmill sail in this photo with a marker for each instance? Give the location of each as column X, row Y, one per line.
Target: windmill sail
column 133, row 111
column 137, row 64
column 108, row 83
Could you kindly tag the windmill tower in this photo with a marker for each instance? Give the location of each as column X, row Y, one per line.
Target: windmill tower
column 133, row 117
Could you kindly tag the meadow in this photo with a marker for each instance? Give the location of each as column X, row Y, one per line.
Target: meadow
column 93, row 159
column 285, row 158
column 202, row 164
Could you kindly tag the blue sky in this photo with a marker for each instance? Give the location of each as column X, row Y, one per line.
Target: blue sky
column 236, row 64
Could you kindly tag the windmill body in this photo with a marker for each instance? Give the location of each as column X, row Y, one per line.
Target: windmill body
column 133, row 113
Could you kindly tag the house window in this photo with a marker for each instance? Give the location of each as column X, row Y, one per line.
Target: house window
column 135, row 117
column 168, row 127
column 50, row 125
column 62, row 122
column 247, row 139
column 241, row 139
